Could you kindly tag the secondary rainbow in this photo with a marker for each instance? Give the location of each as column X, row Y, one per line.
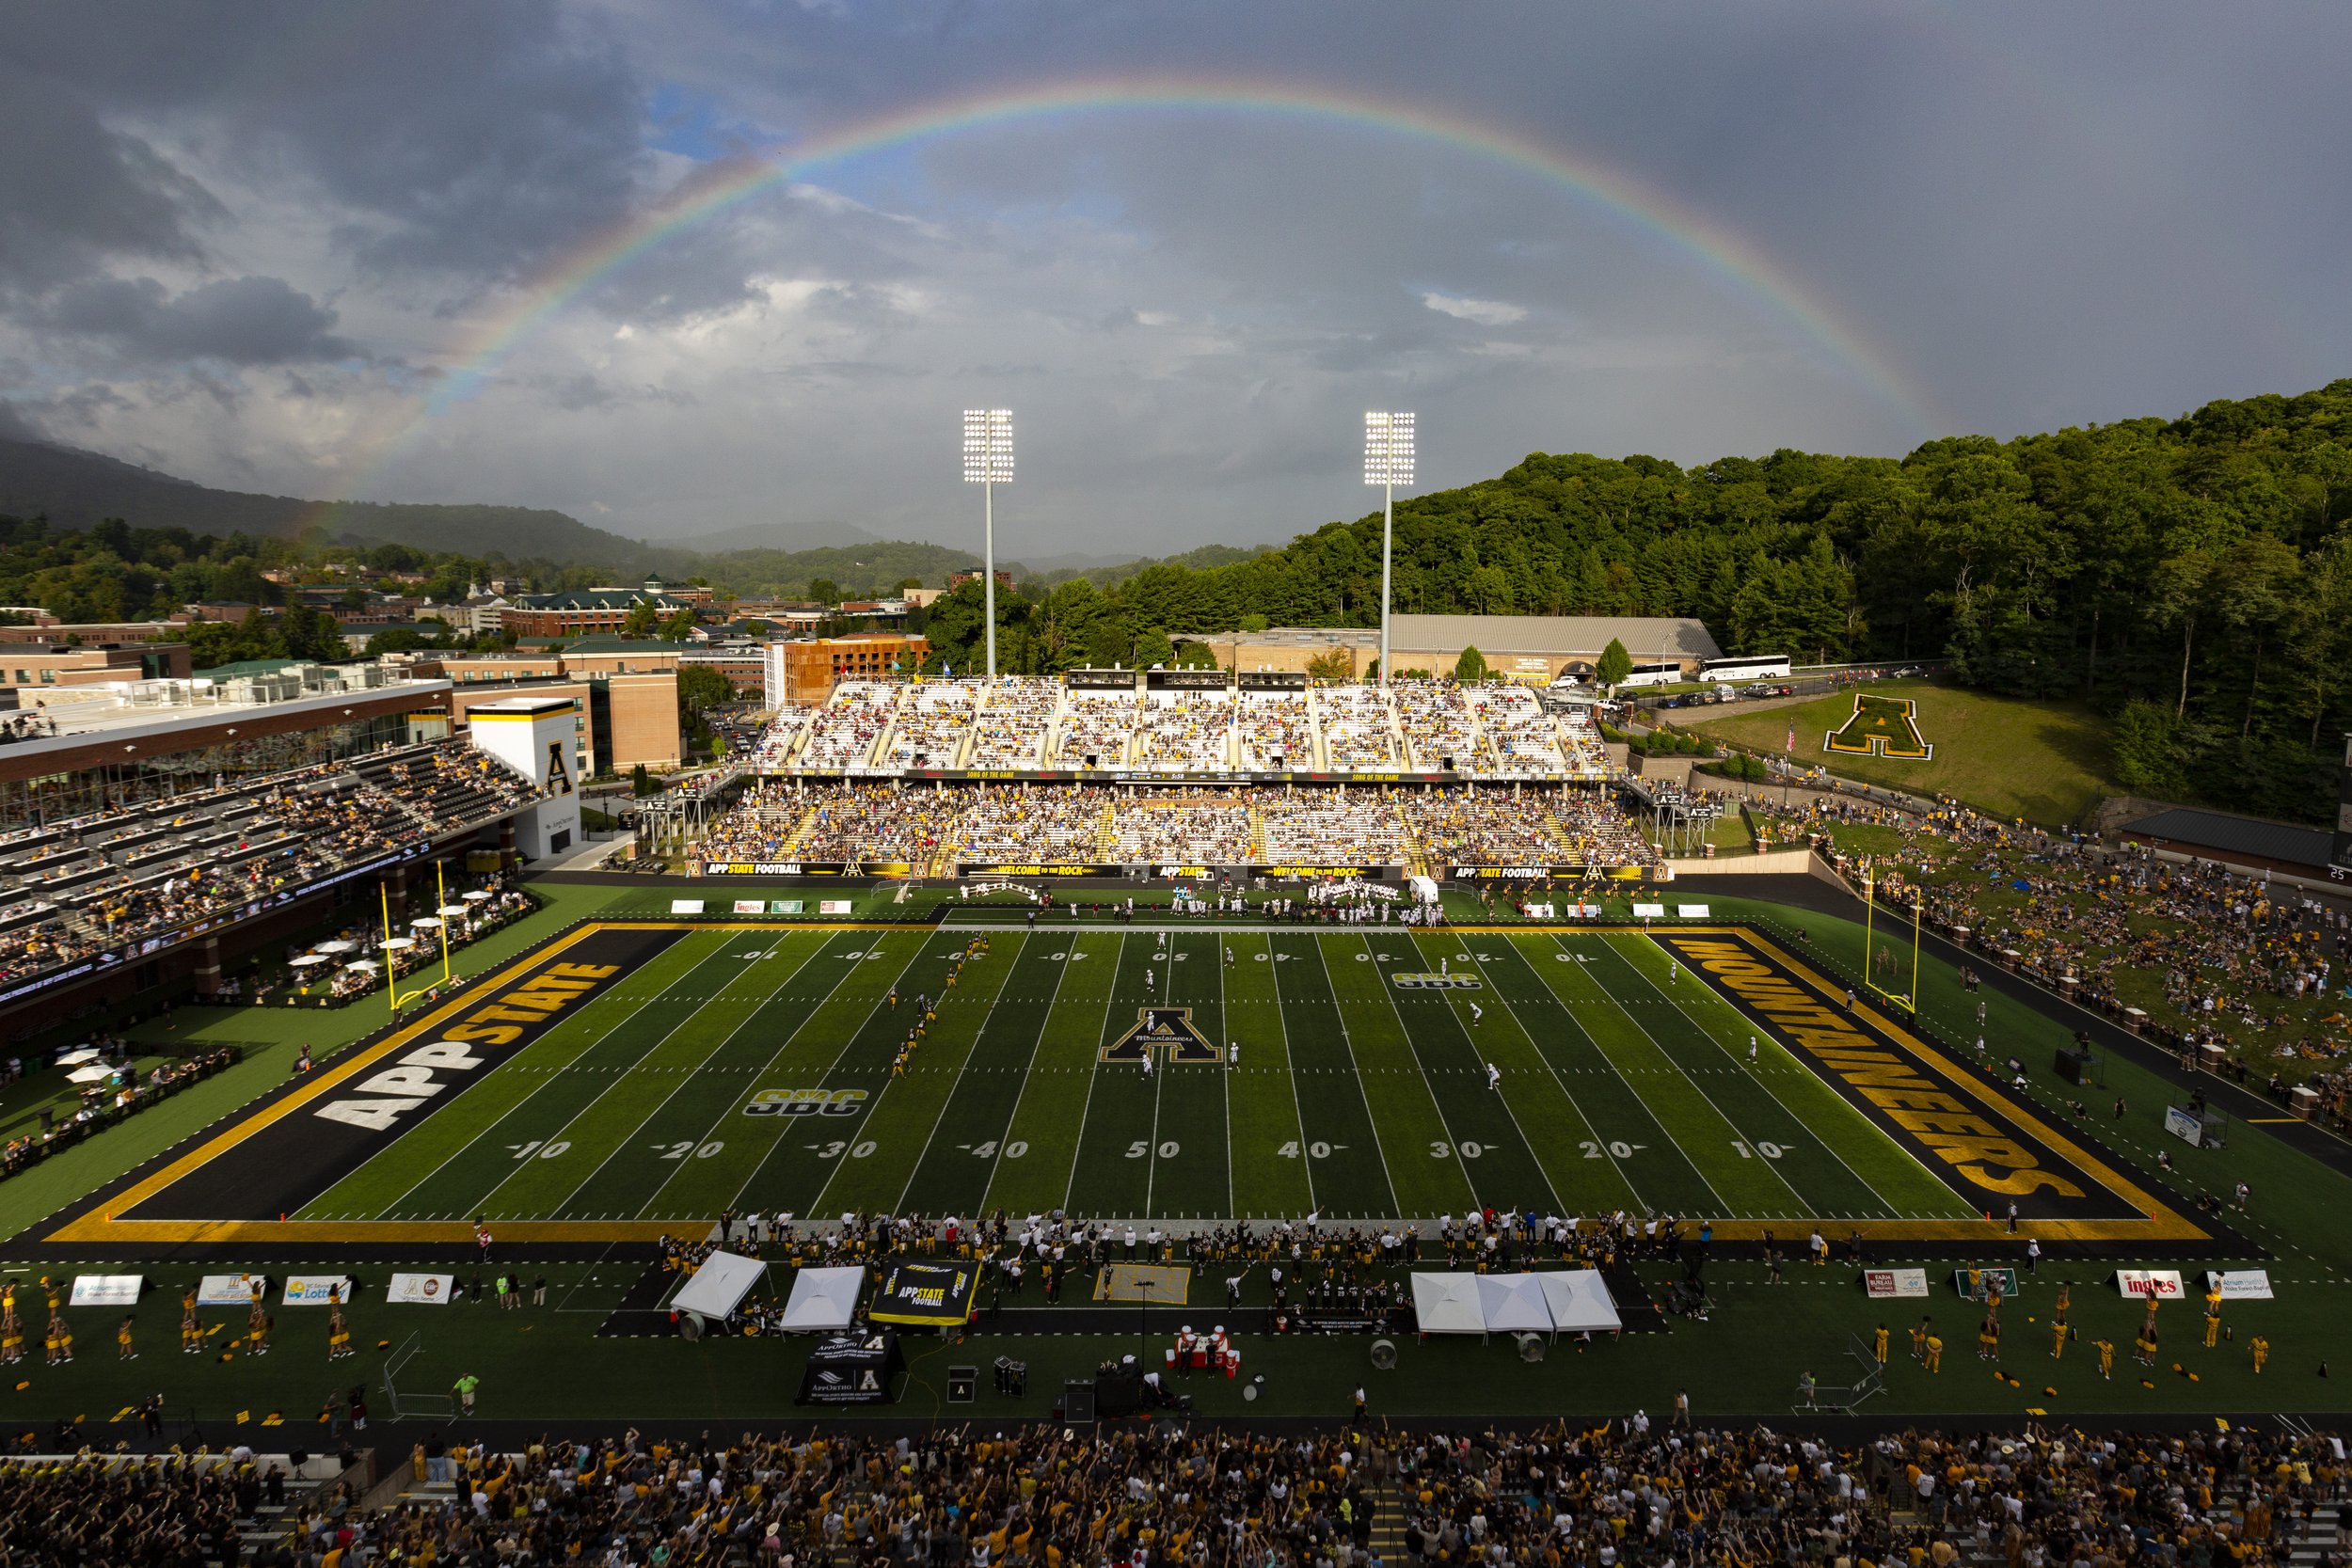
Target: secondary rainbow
column 1641, row 206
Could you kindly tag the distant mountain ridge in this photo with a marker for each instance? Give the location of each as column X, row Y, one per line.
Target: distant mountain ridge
column 75, row 488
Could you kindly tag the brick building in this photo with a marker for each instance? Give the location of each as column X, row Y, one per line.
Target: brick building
column 804, row 672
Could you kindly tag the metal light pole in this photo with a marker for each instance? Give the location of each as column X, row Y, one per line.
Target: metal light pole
column 1387, row 462
column 987, row 463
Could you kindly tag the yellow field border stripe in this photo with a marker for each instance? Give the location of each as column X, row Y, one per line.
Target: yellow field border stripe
column 97, row 1224
column 2162, row 1223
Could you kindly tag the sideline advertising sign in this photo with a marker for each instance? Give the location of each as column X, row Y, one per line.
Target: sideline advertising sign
column 421, row 1289
column 1884, row 1284
column 312, row 1289
column 106, row 1289
column 2149, row 1284
column 231, row 1289
column 2240, row 1284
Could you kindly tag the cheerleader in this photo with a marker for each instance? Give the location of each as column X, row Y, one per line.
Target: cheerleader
column 59, row 1337
column 337, row 1333
column 11, row 1331
column 123, row 1340
column 191, row 1327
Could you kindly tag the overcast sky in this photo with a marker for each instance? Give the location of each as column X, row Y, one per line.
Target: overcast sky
column 266, row 245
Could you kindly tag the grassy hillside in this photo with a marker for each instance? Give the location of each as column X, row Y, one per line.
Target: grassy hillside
column 2046, row 762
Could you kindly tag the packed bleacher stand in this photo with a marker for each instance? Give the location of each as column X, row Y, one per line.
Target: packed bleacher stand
column 934, row 723
column 842, row 733
column 1575, row 1490
column 1014, row 722
column 1096, row 729
column 1186, row 732
column 1491, row 827
column 1352, row 826
column 1212, row 828
column 1599, row 831
column 1275, row 732
column 759, row 825
column 93, row 884
column 1018, row 823
column 1524, row 740
column 1358, row 730
column 1435, row 716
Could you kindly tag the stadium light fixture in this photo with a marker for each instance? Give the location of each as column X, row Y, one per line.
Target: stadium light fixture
column 1387, row 462
column 987, row 463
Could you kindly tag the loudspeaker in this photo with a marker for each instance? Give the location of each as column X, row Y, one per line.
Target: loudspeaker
column 1077, row 1401
column 689, row 1325
column 1530, row 1347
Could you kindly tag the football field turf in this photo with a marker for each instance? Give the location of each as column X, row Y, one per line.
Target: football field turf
column 640, row 1077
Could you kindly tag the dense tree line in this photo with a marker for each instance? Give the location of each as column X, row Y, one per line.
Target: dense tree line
column 2192, row 577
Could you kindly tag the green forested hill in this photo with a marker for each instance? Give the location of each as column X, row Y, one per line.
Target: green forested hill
column 2192, row 577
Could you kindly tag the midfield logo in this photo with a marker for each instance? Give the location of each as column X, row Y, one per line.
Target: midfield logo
column 1165, row 1030
column 1880, row 727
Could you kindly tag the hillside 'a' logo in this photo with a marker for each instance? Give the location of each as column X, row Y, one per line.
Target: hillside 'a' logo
column 1165, row 1030
column 1880, row 727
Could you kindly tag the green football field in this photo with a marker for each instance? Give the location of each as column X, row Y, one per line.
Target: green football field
column 1291, row 1071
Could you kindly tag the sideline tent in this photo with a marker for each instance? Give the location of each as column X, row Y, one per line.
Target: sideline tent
column 718, row 1287
column 1448, row 1303
column 1513, row 1304
column 823, row 1300
column 1579, row 1301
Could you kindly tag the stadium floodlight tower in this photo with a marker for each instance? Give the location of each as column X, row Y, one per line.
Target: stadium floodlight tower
column 1387, row 462
column 987, row 463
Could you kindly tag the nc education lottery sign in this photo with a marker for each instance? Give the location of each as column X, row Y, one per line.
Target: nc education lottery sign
column 315, row 1290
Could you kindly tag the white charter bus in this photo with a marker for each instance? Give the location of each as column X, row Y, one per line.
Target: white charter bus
column 1665, row 672
column 1757, row 667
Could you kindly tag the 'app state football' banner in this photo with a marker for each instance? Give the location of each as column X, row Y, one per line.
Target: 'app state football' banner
column 1880, row 727
column 1167, row 1032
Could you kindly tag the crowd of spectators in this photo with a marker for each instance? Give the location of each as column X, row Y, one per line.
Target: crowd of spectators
column 94, row 886
column 1587, row 1493
column 1210, row 829
column 1186, row 731
column 1275, row 732
column 1359, row 827
column 1033, row 823
column 1525, row 738
column 1491, row 826
column 1435, row 717
column 842, row 733
column 934, row 723
column 108, row 1102
column 160, row 1508
column 759, row 825
column 1015, row 721
column 1096, row 729
column 2207, row 954
column 1358, row 729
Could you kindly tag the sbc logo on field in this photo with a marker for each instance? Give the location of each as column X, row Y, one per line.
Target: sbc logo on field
column 807, row 1102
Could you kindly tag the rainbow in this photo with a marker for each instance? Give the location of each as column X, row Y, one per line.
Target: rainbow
column 1643, row 207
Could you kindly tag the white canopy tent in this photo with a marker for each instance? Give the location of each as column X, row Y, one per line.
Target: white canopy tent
column 823, row 1299
column 719, row 1286
column 1448, row 1303
column 1513, row 1304
column 1579, row 1301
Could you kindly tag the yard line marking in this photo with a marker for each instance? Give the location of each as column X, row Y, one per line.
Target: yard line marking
column 684, row 1077
column 1094, row 1073
column 949, row 1098
column 847, row 1039
column 1609, row 942
column 847, row 969
column 1388, row 995
column 1225, row 1026
column 1379, row 1143
column 1795, row 1196
column 1591, row 1126
column 1623, row 1075
column 526, row 1100
column 1012, row 1119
